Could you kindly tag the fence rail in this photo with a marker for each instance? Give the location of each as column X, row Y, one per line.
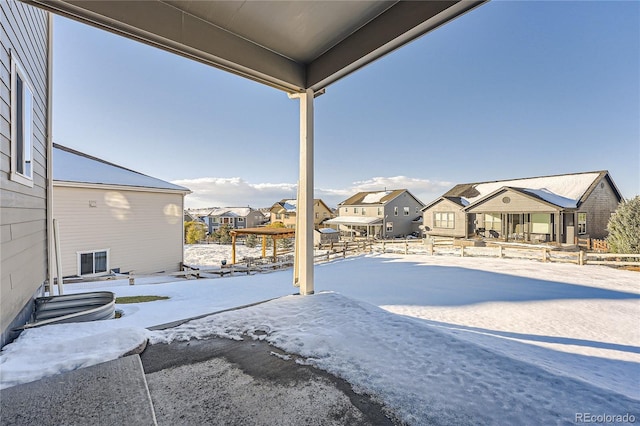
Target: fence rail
column 433, row 246
column 462, row 248
column 592, row 244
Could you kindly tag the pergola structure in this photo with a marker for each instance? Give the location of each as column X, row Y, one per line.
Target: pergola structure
column 264, row 232
column 300, row 47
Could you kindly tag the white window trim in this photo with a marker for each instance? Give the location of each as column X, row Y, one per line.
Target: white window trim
column 438, row 223
column 406, row 211
column 79, row 266
column 389, row 227
column 395, row 211
column 583, row 231
column 16, row 68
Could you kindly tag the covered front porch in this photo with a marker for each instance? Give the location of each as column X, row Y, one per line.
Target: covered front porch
column 538, row 227
column 357, row 226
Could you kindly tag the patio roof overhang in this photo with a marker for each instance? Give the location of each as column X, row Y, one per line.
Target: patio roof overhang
column 354, row 220
column 290, row 45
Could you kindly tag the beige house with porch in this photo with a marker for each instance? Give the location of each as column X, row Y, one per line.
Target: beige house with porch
column 555, row 208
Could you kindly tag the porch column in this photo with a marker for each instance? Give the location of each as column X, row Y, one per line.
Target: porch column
column 304, row 208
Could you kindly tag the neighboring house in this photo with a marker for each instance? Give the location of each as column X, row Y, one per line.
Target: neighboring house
column 235, row 217
column 189, row 216
column 549, row 208
column 383, row 214
column 113, row 218
column 25, row 80
column 284, row 211
column 325, row 236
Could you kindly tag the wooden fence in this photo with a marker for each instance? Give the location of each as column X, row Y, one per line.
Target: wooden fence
column 592, row 244
column 462, row 248
column 433, row 247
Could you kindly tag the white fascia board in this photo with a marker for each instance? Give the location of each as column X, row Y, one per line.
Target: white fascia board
column 64, row 184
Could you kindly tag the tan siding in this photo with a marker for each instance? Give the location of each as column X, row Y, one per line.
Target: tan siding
column 599, row 206
column 131, row 224
column 445, row 206
column 518, row 204
column 23, row 32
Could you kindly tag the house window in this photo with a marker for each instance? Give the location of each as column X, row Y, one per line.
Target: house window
column 317, row 215
column 379, row 211
column 417, row 209
column 540, row 223
column 444, row 220
column 493, row 222
column 93, row 262
column 346, row 209
column 241, row 219
column 355, row 210
column 389, row 226
column 286, row 215
column 406, row 211
column 364, row 211
column 278, row 216
column 395, row 211
column 582, row 223
column 21, row 125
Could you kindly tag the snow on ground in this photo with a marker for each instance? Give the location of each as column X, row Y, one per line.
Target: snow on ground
column 199, row 255
column 432, row 337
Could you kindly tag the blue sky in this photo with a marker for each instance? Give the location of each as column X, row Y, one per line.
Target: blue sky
column 509, row 90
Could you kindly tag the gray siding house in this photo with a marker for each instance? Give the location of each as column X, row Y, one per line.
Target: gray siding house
column 382, row 214
column 25, row 149
column 539, row 209
column 235, row 217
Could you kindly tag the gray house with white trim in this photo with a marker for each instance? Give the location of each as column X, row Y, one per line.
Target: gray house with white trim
column 554, row 208
column 235, row 217
column 382, row 214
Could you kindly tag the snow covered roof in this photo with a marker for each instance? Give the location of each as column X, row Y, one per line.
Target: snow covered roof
column 372, row 197
column 73, row 166
column 327, row 231
column 289, row 205
column 375, row 197
column 231, row 211
column 552, row 198
column 565, row 191
column 355, row 220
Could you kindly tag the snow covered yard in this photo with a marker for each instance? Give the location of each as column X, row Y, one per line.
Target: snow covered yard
column 437, row 339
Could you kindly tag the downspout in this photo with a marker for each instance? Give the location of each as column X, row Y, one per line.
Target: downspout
column 49, row 204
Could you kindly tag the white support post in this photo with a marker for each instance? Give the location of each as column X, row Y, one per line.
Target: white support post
column 304, row 208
